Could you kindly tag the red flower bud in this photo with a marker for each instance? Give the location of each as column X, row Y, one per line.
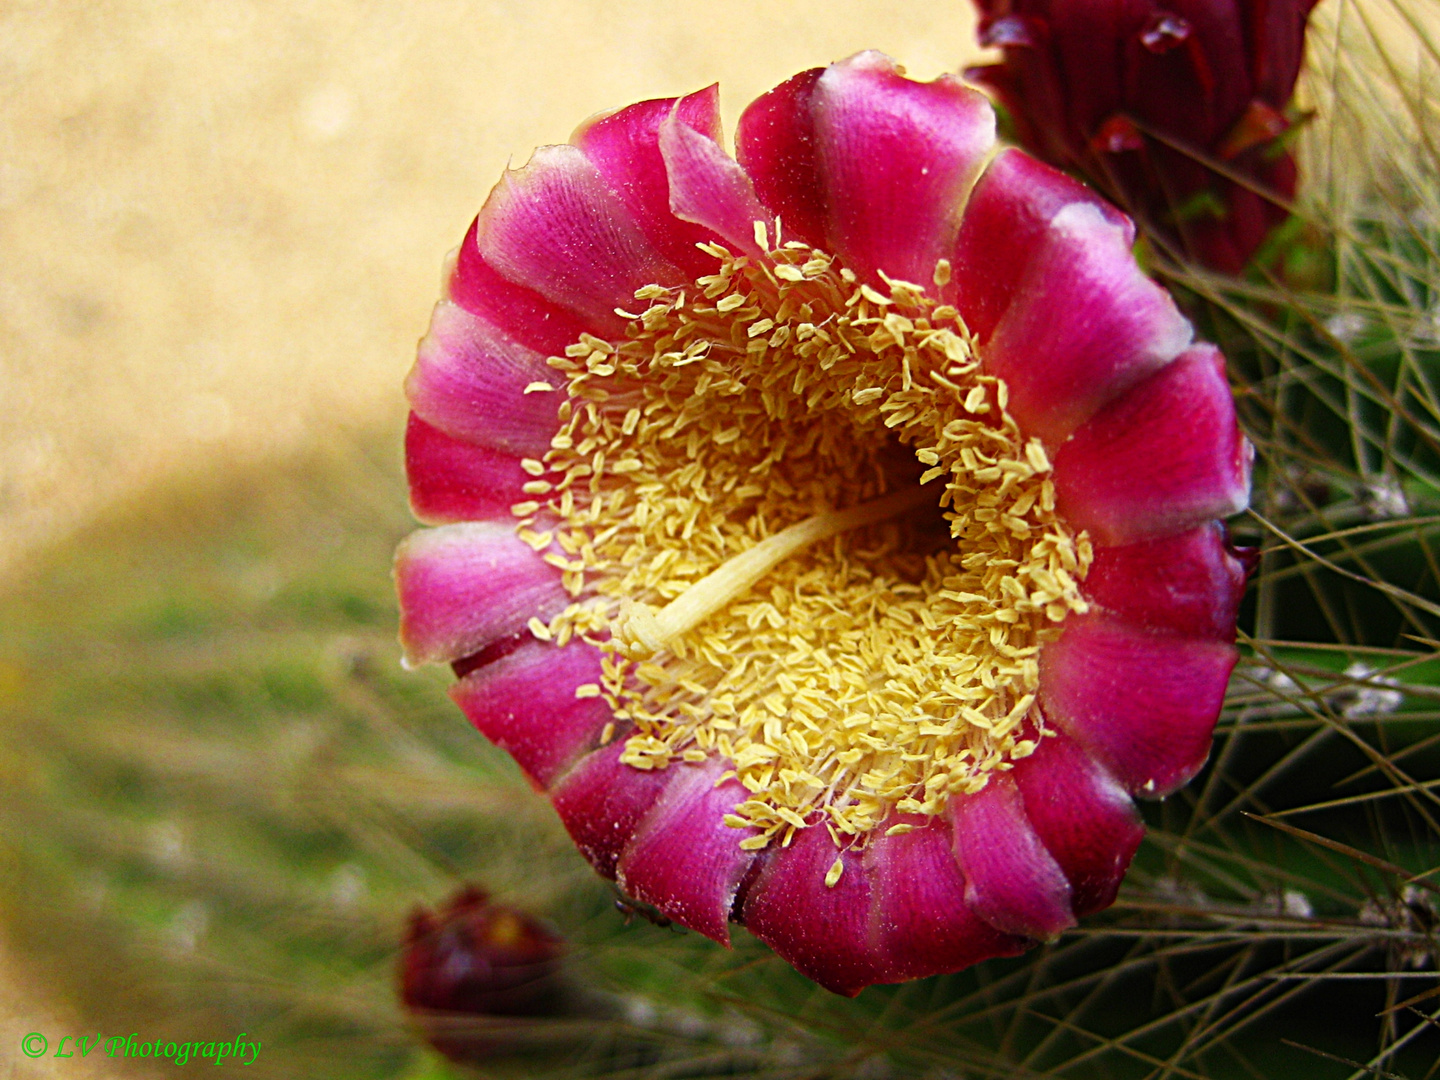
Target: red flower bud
column 476, row 959
column 1150, row 103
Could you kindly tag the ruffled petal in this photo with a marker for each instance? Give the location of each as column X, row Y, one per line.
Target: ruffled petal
column 523, row 314
column 708, row 188
column 469, row 380
column 1160, row 459
column 920, row 922
column 464, row 586
column 451, row 480
column 775, row 145
column 1145, row 702
column 684, row 859
column 1082, row 816
column 554, row 226
column 601, row 803
column 1006, row 221
column 625, row 147
column 824, row 931
column 1190, row 583
column 1083, row 326
column 525, row 704
column 896, row 158
column 1011, row 880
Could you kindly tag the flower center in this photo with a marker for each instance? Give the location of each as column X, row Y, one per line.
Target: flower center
column 799, row 520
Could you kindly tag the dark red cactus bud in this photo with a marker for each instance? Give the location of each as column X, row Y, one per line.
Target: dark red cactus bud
column 1145, row 101
column 475, row 958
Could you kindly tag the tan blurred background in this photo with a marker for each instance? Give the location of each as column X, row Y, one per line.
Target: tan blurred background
column 222, row 222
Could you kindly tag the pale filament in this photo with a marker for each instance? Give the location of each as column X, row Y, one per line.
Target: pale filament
column 645, row 631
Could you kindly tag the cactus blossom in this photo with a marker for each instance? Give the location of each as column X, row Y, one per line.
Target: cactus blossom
column 832, row 531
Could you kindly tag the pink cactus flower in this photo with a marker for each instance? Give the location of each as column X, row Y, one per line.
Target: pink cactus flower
column 832, row 534
column 1146, row 99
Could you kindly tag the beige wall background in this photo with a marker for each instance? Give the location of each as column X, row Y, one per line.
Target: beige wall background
column 222, row 221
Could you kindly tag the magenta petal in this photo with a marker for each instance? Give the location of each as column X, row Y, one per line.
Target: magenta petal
column 463, row 586
column 897, row 158
column 555, row 227
column 1163, row 458
column 1011, row 880
column 602, row 802
column 625, row 147
column 1006, row 221
column 824, row 931
column 1190, row 583
column 469, row 380
column 452, row 480
column 522, row 313
column 921, row 923
column 709, row 188
column 1145, row 702
column 1082, row 816
column 684, row 859
column 525, row 704
column 1084, row 325
column 775, row 144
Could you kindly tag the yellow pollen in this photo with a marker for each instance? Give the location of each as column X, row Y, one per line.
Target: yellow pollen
column 797, row 517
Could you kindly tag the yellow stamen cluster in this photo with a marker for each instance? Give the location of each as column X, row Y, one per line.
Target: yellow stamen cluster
column 889, row 659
